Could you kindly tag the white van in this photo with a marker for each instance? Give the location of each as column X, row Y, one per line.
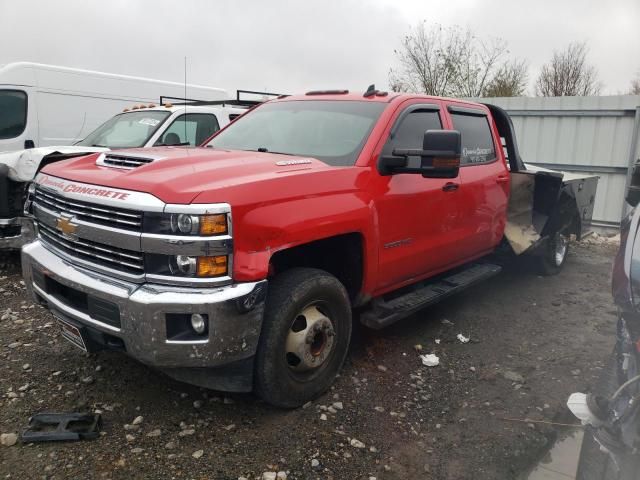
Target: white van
column 43, row 105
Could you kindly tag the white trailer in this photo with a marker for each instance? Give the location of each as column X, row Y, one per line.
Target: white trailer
column 44, row 105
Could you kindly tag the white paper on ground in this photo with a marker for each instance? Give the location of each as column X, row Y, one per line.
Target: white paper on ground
column 430, row 360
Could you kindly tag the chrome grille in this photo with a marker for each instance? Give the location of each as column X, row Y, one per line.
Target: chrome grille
column 89, row 212
column 124, row 161
column 94, row 252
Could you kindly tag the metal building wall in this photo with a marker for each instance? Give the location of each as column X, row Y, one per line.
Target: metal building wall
column 595, row 135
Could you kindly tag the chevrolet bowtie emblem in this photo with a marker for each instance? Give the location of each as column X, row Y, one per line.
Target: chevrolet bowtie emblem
column 66, row 226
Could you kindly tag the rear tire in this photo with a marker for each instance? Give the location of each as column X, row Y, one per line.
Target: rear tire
column 305, row 337
column 554, row 254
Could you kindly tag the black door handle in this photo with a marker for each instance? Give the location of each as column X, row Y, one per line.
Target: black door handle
column 450, row 187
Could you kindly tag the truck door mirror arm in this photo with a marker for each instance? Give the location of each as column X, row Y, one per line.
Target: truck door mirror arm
column 440, row 156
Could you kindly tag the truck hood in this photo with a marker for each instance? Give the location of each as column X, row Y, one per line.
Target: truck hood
column 23, row 164
column 179, row 174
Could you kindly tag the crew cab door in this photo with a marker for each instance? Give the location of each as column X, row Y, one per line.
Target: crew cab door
column 418, row 218
column 484, row 181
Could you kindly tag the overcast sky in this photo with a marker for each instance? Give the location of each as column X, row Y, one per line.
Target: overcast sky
column 292, row 46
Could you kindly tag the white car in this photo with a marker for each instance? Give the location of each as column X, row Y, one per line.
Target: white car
column 187, row 124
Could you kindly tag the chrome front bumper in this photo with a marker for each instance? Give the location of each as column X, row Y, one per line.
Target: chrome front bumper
column 235, row 314
column 8, row 238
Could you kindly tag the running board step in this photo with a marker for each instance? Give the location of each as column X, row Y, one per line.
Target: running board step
column 384, row 313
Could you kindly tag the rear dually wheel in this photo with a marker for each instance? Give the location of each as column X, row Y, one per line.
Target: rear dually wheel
column 554, row 254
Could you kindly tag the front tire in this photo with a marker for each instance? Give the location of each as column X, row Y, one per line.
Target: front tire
column 305, row 337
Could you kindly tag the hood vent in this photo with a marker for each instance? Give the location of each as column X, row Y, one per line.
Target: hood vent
column 122, row 161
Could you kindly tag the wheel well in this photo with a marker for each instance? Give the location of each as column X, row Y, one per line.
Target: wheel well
column 341, row 256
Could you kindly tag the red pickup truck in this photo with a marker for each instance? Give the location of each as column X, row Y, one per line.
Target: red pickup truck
column 237, row 265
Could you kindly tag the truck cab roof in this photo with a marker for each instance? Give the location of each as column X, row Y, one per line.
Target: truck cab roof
column 380, row 97
column 169, row 107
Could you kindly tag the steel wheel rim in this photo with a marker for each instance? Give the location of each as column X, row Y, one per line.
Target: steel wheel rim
column 310, row 340
column 561, row 249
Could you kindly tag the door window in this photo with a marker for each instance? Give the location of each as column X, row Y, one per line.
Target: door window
column 477, row 141
column 410, row 133
column 190, row 129
column 13, row 113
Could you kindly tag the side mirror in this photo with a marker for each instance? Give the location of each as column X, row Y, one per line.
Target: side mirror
column 440, row 156
column 441, row 153
column 633, row 191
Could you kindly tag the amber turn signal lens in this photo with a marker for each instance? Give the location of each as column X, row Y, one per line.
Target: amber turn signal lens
column 213, row 224
column 212, row 266
column 439, row 162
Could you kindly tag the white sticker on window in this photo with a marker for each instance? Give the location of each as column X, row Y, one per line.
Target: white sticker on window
column 476, row 155
column 149, row 121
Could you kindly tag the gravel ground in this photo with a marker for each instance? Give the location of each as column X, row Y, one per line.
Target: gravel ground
column 533, row 341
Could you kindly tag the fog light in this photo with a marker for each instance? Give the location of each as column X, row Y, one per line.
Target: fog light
column 199, row 323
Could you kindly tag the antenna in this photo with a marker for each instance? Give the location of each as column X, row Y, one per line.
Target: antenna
column 185, row 96
column 77, row 137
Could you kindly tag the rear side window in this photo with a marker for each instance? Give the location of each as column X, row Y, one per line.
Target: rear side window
column 13, row 113
column 410, row 133
column 477, row 141
column 190, row 129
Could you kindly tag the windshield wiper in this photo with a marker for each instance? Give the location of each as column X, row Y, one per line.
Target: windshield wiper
column 266, row 150
column 99, row 146
column 260, row 149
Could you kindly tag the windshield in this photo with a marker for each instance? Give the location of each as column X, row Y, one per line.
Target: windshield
column 13, row 113
column 127, row 130
column 331, row 131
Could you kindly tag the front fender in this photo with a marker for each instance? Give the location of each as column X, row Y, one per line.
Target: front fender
column 267, row 229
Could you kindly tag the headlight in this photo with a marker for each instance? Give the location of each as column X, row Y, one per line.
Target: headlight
column 183, row 223
column 187, row 266
column 183, row 265
column 186, row 224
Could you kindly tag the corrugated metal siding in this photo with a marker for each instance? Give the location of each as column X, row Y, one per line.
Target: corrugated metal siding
column 583, row 134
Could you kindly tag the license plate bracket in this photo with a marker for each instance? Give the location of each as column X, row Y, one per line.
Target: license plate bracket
column 71, row 333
